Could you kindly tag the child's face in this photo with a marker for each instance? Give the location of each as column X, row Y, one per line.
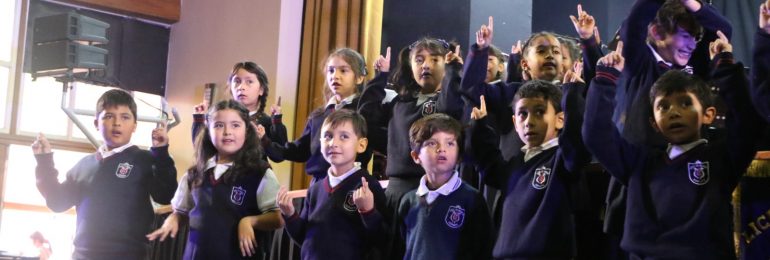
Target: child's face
column 227, row 132
column 567, row 60
column 427, row 70
column 543, row 58
column 116, row 124
column 340, row 77
column 494, row 66
column 246, row 88
column 340, row 145
column 679, row 117
column 438, row 155
column 676, row 48
column 536, row 121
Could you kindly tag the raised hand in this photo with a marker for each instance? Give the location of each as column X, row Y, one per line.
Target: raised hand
column 575, row 74
column 481, row 111
column 720, row 45
column 200, row 109
column 516, row 48
column 260, row 130
column 584, row 23
column 764, row 16
column 363, row 197
column 246, row 239
column 284, row 202
column 159, row 135
column 169, row 228
column 382, row 64
column 454, row 56
column 484, row 34
column 41, row 145
column 614, row 59
column 275, row 109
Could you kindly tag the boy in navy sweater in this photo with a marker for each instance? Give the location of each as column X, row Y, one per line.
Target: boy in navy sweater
column 111, row 188
column 342, row 216
column 537, row 220
column 444, row 218
column 678, row 204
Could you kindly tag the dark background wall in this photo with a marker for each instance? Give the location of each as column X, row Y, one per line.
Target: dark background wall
column 407, row 21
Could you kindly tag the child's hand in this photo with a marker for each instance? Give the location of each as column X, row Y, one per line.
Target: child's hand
column 584, row 23
column 764, row 16
column 246, row 240
column 41, row 145
column 575, row 74
column 200, row 109
column 284, row 202
column 363, row 197
column 516, row 48
column 159, row 136
column 614, row 59
column 720, row 45
column 597, row 35
column 275, row 109
column 260, row 130
column 454, row 56
column 170, row 228
column 484, row 34
column 382, row 64
column 481, row 112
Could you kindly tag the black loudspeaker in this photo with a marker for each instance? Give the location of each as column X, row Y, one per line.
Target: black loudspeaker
column 65, row 43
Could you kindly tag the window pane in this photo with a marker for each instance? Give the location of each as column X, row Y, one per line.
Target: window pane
column 18, row 225
column 20, row 177
column 7, row 20
column 4, row 91
column 41, row 107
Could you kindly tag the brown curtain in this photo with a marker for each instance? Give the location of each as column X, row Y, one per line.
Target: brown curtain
column 327, row 25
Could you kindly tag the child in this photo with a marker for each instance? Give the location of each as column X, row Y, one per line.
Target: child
column 444, row 218
column 678, row 204
column 345, row 77
column 341, row 218
column 249, row 85
column 537, row 219
column 111, row 188
column 760, row 81
column 228, row 193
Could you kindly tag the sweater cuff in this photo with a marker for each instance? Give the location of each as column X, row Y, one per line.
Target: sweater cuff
column 722, row 58
column 366, row 213
column 199, row 118
column 590, row 42
column 291, row 218
column 44, row 159
column 160, row 151
column 277, row 119
column 608, row 74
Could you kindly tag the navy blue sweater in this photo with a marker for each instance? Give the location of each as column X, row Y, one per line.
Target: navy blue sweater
column 760, row 80
column 457, row 226
column 537, row 219
column 680, row 208
column 330, row 226
column 112, row 198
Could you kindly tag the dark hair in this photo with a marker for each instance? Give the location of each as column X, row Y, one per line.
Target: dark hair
column 424, row 128
column 672, row 15
column 255, row 69
column 497, row 53
column 113, row 98
column 247, row 160
column 356, row 62
column 539, row 89
column 402, row 76
column 341, row 116
column 676, row 81
column 572, row 47
column 527, row 44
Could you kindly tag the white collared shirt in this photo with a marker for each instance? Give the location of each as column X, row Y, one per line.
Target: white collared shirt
column 342, row 103
column 450, row 186
column 219, row 168
column 104, row 152
column 422, row 98
column 674, row 151
column 687, row 68
column 534, row 151
column 334, row 180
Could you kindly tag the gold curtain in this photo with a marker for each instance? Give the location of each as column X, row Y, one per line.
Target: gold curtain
column 327, row 25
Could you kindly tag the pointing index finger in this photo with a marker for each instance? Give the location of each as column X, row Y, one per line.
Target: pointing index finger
column 491, row 23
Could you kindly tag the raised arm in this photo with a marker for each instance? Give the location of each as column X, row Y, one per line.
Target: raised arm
column 58, row 196
column 373, row 107
column 633, row 32
column 450, row 100
column 571, row 139
column 163, row 183
column 485, row 143
column 760, row 80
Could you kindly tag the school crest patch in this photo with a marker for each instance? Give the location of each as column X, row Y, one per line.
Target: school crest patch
column 124, row 169
column 429, row 107
column 455, row 216
column 349, row 204
column 698, row 172
column 237, row 195
column 540, row 180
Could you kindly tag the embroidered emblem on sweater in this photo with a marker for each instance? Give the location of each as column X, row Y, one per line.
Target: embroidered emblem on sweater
column 349, row 204
column 237, row 195
column 429, row 107
column 540, row 180
column 124, row 169
column 455, row 216
column 698, row 172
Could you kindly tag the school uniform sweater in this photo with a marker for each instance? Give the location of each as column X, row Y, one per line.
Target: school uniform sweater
column 537, row 220
column 455, row 226
column 219, row 208
column 760, row 80
column 112, row 198
column 677, row 208
column 330, row 226
column 275, row 130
